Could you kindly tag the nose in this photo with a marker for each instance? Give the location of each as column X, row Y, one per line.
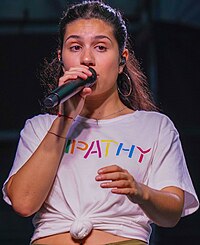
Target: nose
column 87, row 58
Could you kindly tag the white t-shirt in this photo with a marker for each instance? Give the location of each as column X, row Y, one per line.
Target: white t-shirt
column 145, row 143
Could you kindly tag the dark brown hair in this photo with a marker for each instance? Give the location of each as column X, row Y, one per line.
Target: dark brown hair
column 132, row 79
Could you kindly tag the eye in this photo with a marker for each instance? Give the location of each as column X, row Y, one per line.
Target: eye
column 75, row 48
column 101, row 48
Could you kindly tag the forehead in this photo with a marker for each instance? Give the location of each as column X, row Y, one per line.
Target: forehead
column 89, row 28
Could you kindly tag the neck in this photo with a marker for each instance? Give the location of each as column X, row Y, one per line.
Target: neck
column 99, row 107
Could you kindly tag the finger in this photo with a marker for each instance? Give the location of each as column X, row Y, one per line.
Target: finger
column 76, row 73
column 110, row 169
column 120, row 188
column 73, row 75
column 123, row 191
column 85, row 92
column 116, row 184
column 112, row 176
column 81, row 68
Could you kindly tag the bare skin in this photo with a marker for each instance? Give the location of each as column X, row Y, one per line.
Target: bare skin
column 89, row 43
column 96, row 237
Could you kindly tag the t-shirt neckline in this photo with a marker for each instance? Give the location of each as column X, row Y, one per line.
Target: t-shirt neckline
column 105, row 121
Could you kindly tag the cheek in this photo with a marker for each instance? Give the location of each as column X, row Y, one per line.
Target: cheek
column 110, row 69
column 109, row 62
column 70, row 60
column 69, row 63
column 108, row 76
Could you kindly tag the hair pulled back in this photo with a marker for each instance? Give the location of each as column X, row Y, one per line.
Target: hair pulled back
column 135, row 86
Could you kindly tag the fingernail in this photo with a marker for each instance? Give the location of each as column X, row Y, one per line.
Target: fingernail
column 103, row 185
column 98, row 177
column 100, row 171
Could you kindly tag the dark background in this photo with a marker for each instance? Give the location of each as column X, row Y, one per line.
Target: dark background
column 166, row 38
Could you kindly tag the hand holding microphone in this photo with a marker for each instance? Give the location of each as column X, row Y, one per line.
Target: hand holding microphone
column 67, row 90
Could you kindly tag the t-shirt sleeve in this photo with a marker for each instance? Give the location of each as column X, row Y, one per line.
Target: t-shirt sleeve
column 169, row 166
column 30, row 137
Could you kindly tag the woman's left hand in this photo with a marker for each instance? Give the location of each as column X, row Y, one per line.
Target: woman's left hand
column 163, row 207
column 121, row 182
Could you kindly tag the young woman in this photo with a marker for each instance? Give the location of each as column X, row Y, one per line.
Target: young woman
column 107, row 165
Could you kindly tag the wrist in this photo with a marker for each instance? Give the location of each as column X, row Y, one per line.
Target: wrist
column 65, row 116
column 145, row 190
column 142, row 195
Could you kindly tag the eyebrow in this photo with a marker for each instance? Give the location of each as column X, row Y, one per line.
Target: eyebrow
column 95, row 38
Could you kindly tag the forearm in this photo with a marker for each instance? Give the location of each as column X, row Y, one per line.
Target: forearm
column 29, row 187
column 163, row 207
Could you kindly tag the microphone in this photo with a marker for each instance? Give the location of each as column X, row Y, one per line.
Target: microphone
column 67, row 90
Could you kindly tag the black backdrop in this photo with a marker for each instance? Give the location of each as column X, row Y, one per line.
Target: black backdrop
column 178, row 73
column 177, row 58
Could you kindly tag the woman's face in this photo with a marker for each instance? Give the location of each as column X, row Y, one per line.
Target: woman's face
column 91, row 42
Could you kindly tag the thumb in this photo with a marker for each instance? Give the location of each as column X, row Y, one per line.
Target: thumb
column 85, row 92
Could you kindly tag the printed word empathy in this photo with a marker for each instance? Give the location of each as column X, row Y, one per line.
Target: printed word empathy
column 102, row 148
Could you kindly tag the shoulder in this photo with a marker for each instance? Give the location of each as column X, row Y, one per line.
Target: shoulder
column 152, row 115
column 39, row 123
column 155, row 119
column 41, row 119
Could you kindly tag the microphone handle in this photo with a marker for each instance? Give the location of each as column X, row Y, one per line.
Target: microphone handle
column 63, row 93
column 66, row 91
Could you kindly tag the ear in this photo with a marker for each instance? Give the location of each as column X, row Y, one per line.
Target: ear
column 59, row 55
column 60, row 59
column 123, row 60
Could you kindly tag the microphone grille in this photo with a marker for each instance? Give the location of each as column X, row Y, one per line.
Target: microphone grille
column 94, row 74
